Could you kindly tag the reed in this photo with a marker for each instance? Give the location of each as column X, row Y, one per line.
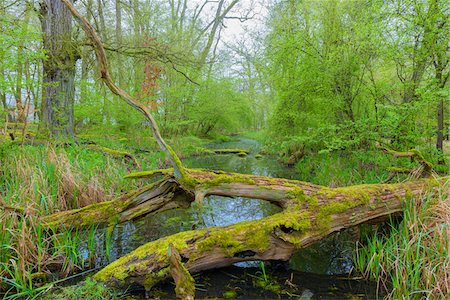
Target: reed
column 40, row 180
column 413, row 260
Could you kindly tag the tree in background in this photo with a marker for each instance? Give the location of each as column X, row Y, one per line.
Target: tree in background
column 346, row 74
column 58, row 69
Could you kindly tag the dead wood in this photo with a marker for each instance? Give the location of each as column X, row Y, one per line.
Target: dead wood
column 184, row 282
column 425, row 168
column 310, row 213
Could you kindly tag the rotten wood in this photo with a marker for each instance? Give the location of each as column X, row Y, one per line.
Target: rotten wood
column 425, row 168
column 154, row 198
column 185, row 288
column 310, row 214
column 127, row 156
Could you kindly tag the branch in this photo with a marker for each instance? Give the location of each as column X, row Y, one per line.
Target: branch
column 106, row 77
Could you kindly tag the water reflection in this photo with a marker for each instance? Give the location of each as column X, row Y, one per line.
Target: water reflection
column 331, row 256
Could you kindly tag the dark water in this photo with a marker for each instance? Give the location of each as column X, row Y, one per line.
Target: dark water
column 320, row 271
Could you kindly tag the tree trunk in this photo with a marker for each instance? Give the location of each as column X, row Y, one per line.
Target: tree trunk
column 119, row 41
column 59, row 69
column 440, row 129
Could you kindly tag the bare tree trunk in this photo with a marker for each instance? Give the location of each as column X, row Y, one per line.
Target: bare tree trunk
column 138, row 69
column 59, row 69
column 85, row 59
column 440, row 128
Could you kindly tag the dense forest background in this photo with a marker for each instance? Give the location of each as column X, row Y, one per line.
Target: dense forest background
column 312, row 75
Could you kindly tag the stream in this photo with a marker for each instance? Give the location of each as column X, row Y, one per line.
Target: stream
column 317, row 272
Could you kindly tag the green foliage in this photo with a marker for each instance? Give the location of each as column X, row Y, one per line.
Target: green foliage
column 342, row 80
column 218, row 106
column 89, row 289
column 266, row 281
column 344, row 168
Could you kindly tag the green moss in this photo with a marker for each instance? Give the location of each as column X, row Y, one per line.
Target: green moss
column 230, row 151
column 343, row 199
column 179, row 170
column 242, row 154
column 218, row 179
column 258, row 156
column 230, row 294
column 136, row 261
column 93, row 214
column 296, row 193
column 109, row 150
column 146, row 174
column 399, row 170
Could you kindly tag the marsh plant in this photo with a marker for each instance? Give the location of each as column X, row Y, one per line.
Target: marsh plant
column 37, row 181
column 413, row 260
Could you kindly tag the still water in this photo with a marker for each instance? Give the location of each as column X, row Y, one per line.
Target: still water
column 319, row 272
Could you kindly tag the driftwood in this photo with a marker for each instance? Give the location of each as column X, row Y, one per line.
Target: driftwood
column 310, row 213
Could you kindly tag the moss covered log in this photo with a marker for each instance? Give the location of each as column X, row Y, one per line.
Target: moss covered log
column 239, row 152
column 310, row 213
column 425, row 170
column 310, row 216
column 154, row 198
column 170, row 193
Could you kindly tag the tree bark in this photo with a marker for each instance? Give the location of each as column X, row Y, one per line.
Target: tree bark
column 59, row 68
column 440, row 129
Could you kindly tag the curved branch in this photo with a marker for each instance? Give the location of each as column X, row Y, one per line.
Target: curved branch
column 106, row 77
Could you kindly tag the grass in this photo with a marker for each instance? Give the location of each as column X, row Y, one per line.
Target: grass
column 265, row 281
column 40, row 180
column 413, row 260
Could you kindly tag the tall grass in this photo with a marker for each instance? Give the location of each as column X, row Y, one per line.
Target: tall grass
column 413, row 260
column 40, row 180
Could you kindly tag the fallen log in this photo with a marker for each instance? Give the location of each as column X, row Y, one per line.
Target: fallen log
column 310, row 213
column 157, row 197
column 127, row 156
column 425, row 168
column 169, row 193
